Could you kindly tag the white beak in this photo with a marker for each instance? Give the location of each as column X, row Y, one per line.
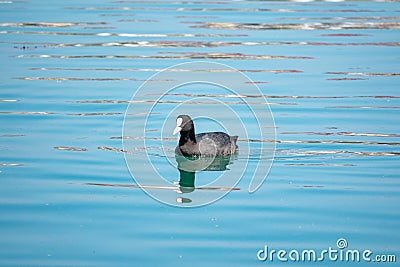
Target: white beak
column 177, row 130
column 178, row 127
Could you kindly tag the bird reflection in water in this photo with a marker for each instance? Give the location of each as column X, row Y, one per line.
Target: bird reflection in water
column 188, row 166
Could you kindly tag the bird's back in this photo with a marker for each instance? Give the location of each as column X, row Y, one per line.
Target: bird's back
column 224, row 143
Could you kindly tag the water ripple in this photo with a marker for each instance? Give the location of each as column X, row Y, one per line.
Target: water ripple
column 11, row 164
column 169, row 70
column 114, row 101
column 128, row 35
column 364, row 107
column 299, row 26
column 9, row 100
column 388, row 74
column 183, row 55
column 95, row 114
column 345, row 134
column 201, row 44
column 68, row 148
column 12, row 135
column 27, row 112
column 229, row 9
column 49, row 24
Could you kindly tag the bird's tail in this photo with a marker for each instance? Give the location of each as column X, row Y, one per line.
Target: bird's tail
column 234, row 139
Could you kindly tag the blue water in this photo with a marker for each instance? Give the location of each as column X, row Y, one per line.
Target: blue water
column 329, row 70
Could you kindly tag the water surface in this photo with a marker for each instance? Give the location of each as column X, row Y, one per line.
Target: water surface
column 329, row 70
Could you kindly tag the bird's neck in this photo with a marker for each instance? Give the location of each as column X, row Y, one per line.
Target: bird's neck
column 187, row 136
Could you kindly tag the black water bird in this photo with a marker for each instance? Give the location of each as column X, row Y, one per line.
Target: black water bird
column 202, row 144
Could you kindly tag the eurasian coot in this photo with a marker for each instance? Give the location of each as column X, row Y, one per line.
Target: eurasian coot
column 202, row 144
